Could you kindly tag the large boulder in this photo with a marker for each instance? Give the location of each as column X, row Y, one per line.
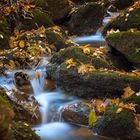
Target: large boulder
column 82, row 24
column 56, row 36
column 59, row 9
column 129, row 18
column 127, row 43
column 116, row 125
column 89, row 76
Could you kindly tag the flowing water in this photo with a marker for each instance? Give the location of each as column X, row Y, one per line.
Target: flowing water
column 52, row 103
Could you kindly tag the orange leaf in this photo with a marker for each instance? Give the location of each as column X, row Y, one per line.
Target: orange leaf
column 22, row 44
column 127, row 92
column 119, row 110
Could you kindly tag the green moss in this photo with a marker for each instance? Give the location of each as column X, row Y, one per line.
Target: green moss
column 133, row 99
column 82, row 24
column 130, row 49
column 23, row 132
column 7, row 115
column 116, row 125
column 80, row 57
column 73, row 52
column 5, row 32
column 40, row 18
column 126, row 20
column 106, row 3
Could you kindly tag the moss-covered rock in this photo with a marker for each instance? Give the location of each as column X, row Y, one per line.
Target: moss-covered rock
column 97, row 57
column 59, row 9
column 6, row 117
column 116, row 125
column 5, row 32
column 129, row 18
column 57, row 37
column 23, row 131
column 127, row 43
column 133, row 99
column 39, row 18
column 81, row 24
column 97, row 83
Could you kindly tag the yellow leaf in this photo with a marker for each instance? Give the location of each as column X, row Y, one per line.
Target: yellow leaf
column 37, row 74
column 92, row 118
column 70, row 63
column 115, row 101
column 100, row 106
column 127, row 92
column 22, row 44
column 86, row 50
column 84, row 68
column 11, row 63
column 119, row 110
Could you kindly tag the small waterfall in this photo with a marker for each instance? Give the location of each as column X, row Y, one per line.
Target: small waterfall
column 37, row 82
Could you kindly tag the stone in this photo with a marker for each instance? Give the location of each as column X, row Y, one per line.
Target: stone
column 22, row 81
column 76, row 113
column 130, row 49
column 23, row 131
column 116, row 125
column 81, row 24
column 128, row 19
column 103, row 81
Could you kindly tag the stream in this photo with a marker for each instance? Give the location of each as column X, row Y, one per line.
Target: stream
column 52, row 103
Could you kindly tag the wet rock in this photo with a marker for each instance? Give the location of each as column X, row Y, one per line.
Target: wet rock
column 59, row 9
column 102, row 81
column 82, row 24
column 130, row 49
column 26, row 107
column 56, row 36
column 5, row 32
column 23, row 131
column 22, row 81
column 49, row 85
column 6, row 117
column 116, row 125
column 129, row 18
column 76, row 113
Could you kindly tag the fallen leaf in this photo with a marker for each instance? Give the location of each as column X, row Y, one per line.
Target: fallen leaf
column 128, row 92
column 70, row 63
column 22, row 44
column 119, row 110
column 92, row 118
column 84, row 68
